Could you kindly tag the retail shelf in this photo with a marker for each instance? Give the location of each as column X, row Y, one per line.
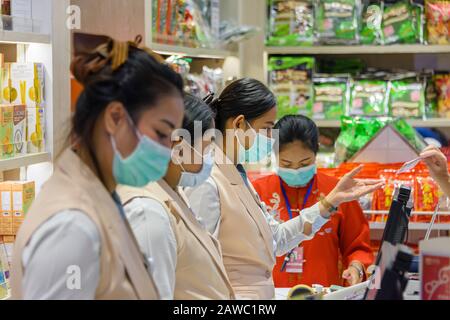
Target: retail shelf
column 429, row 123
column 413, row 226
column 392, row 49
column 23, row 37
column 192, row 52
column 23, row 161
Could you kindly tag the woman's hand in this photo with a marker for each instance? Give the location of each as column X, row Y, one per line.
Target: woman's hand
column 436, row 162
column 352, row 275
column 350, row 189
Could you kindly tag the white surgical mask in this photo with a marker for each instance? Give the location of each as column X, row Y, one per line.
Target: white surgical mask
column 191, row 179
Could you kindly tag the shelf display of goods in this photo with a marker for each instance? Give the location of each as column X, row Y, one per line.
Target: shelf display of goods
column 350, row 88
column 426, row 194
column 184, row 22
column 290, row 78
column 352, row 22
column 291, row 23
column 22, row 114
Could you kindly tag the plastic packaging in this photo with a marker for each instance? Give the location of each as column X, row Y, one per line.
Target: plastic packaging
column 372, row 18
column 291, row 23
column 337, row 21
column 291, row 82
column 330, row 96
column 438, row 27
column 406, row 99
column 442, row 84
column 398, row 24
column 368, row 97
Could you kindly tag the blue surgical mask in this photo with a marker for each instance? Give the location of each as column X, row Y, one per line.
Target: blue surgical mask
column 191, row 179
column 148, row 163
column 261, row 149
column 298, row 177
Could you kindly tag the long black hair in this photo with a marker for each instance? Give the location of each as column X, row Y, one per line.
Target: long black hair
column 247, row 97
column 298, row 128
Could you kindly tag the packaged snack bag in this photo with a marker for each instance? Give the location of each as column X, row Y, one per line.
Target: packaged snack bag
column 337, row 21
column 426, row 197
column 368, row 97
column 406, row 99
column 431, row 95
column 383, row 197
column 442, row 84
column 6, row 131
column 291, row 23
column 291, row 82
column 371, row 32
column 330, row 97
column 438, row 21
column 398, row 24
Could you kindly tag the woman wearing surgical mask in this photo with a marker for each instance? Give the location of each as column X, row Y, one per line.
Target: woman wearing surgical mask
column 75, row 242
column 229, row 206
column 184, row 259
column 343, row 241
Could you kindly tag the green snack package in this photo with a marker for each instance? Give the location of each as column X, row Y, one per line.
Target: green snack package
column 406, row 99
column 370, row 32
column 355, row 134
column 330, row 97
column 410, row 134
column 337, row 21
column 291, row 23
column 431, row 95
column 398, row 24
column 291, row 82
column 368, row 97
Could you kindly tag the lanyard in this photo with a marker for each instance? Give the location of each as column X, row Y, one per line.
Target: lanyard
column 286, row 199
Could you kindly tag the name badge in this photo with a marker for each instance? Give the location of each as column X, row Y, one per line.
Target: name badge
column 295, row 264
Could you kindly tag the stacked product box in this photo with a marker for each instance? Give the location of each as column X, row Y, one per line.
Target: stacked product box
column 22, row 113
column 5, row 266
column 15, row 200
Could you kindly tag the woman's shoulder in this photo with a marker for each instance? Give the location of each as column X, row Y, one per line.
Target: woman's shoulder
column 265, row 182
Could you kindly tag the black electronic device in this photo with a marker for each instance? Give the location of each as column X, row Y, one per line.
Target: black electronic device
column 390, row 270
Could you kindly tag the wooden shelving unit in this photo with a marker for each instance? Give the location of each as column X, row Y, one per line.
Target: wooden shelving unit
column 339, row 50
column 52, row 48
column 24, row 161
column 204, row 53
column 417, row 123
column 23, row 37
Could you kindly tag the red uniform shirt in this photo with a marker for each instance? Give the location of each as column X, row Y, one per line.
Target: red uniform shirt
column 345, row 236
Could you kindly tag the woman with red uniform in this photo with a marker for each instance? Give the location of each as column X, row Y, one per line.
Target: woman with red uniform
column 342, row 243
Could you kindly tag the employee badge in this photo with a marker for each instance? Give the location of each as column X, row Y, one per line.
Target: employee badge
column 295, row 264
